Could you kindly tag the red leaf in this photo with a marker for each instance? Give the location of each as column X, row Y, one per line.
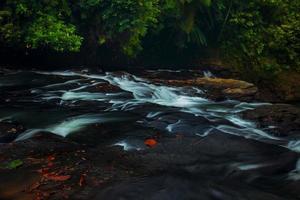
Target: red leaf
column 150, row 142
column 43, row 171
column 82, row 180
column 50, row 158
column 54, row 177
column 34, row 186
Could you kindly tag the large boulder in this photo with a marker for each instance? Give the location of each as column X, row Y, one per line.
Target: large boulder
column 219, row 88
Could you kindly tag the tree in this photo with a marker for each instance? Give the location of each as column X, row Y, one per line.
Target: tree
column 262, row 37
column 185, row 19
column 33, row 24
column 63, row 26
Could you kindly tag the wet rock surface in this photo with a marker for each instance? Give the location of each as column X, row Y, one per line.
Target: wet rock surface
column 10, row 131
column 278, row 119
column 123, row 136
column 219, row 88
column 178, row 167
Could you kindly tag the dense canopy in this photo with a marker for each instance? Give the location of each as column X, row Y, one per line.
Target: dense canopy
column 262, row 36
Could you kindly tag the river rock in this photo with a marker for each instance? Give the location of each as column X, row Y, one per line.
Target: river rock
column 9, row 131
column 219, row 88
column 104, row 87
column 219, row 165
column 278, row 119
column 40, row 143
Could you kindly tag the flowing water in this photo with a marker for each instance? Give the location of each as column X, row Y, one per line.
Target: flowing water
column 69, row 103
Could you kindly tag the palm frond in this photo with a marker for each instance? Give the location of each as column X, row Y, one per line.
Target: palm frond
column 198, row 37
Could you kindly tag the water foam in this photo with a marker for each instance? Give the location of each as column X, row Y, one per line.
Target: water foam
column 295, row 174
column 144, row 92
column 70, row 125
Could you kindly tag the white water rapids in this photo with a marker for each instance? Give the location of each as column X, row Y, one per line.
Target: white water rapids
column 140, row 95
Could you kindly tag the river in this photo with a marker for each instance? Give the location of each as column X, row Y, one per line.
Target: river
column 132, row 108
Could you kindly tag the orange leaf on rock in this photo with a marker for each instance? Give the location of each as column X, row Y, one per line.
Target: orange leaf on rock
column 34, row 186
column 51, row 158
column 54, row 177
column 82, row 180
column 43, row 171
column 150, row 142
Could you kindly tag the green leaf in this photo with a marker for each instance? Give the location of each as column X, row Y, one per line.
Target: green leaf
column 14, row 164
column 206, row 2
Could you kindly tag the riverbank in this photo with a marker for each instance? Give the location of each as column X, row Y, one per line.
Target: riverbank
column 187, row 167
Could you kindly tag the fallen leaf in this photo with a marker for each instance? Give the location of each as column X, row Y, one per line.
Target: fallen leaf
column 34, row 160
column 150, row 142
column 14, row 164
column 51, row 158
column 34, row 186
column 39, row 196
column 82, row 180
column 55, row 177
column 43, row 171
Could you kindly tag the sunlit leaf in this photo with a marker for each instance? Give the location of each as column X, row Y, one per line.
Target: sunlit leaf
column 14, row 164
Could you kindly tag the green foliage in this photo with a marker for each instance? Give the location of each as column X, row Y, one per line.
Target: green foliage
column 262, row 37
column 34, row 24
column 259, row 36
column 8, row 31
column 184, row 19
column 61, row 25
column 52, row 32
column 128, row 21
column 119, row 24
column 14, row 164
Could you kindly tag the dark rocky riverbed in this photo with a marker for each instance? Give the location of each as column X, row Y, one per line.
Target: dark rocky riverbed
column 152, row 135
